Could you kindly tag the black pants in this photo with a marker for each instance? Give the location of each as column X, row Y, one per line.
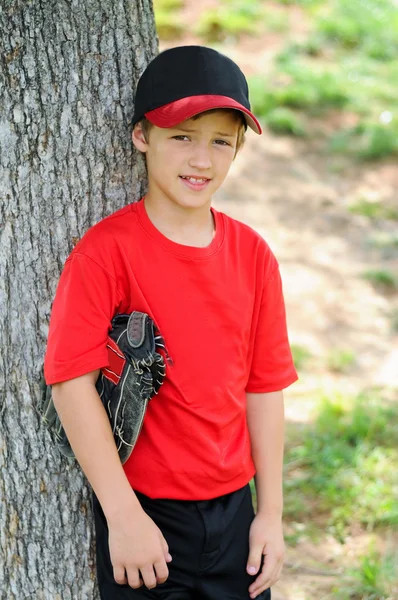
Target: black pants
column 209, row 543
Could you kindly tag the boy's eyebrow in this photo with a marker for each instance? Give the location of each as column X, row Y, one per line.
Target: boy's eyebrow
column 186, row 130
column 224, row 134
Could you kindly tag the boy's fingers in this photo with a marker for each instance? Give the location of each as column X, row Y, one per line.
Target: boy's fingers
column 254, row 561
column 266, row 577
column 162, row 571
column 148, row 575
column 262, row 582
column 167, row 555
column 119, row 575
column 134, row 578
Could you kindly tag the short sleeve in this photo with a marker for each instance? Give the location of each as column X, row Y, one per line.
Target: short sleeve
column 85, row 302
column 272, row 367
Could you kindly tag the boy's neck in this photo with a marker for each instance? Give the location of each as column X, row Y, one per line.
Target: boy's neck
column 187, row 226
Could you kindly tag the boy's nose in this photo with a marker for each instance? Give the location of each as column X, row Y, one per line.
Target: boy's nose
column 200, row 158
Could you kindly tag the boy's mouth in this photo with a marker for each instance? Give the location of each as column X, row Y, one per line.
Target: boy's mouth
column 196, row 183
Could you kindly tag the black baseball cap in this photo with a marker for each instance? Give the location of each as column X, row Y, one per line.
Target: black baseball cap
column 182, row 82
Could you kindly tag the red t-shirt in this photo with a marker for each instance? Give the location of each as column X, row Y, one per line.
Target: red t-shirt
column 221, row 313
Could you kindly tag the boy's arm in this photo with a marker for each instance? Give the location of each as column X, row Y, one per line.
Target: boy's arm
column 265, row 419
column 135, row 542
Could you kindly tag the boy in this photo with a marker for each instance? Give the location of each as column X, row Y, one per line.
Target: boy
column 212, row 286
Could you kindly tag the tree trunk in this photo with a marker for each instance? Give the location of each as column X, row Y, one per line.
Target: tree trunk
column 68, row 71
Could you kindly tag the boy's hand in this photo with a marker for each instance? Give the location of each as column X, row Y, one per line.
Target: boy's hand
column 265, row 538
column 137, row 547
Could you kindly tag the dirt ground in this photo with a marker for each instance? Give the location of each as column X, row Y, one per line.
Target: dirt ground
column 297, row 196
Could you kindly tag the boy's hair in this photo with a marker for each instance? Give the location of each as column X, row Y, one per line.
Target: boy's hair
column 147, row 125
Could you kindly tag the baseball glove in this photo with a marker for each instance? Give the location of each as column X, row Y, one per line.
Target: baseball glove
column 135, row 373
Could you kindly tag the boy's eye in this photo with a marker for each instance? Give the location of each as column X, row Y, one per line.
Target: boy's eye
column 182, row 138
column 222, row 143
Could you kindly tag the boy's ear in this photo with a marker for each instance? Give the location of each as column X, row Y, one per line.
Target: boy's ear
column 138, row 137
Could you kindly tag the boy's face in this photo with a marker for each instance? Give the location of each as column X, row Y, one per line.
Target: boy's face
column 188, row 163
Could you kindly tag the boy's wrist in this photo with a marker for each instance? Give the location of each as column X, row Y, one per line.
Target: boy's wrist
column 269, row 498
column 122, row 509
column 274, row 514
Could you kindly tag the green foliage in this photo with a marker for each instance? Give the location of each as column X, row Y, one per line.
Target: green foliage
column 386, row 242
column 312, row 46
column 301, row 355
column 348, row 62
column 230, row 20
column 368, row 141
column 284, row 121
column 382, row 279
column 275, row 21
column 262, row 96
column 168, row 5
column 309, row 87
column 371, row 27
column 375, row 578
column 340, row 360
column 300, row 2
column 168, row 27
column 375, row 210
column 299, row 87
column 368, row 27
column 394, row 320
column 345, row 464
column 369, row 86
column 168, row 23
column 384, row 239
column 295, row 532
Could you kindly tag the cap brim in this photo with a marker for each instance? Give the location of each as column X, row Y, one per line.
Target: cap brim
column 178, row 111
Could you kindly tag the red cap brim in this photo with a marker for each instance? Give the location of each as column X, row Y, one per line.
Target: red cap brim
column 178, row 111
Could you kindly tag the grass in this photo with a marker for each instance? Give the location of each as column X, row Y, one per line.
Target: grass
column 394, row 320
column 282, row 98
column 382, row 279
column 168, row 28
column 304, row 3
column 233, row 18
column 302, row 86
column 168, row 23
column 340, row 360
column 375, row 578
column 374, row 210
column 384, row 240
column 301, row 356
column 284, row 121
column 314, row 88
column 347, row 63
column 367, row 141
column 230, row 19
column 345, row 466
column 385, row 243
column 275, row 21
column 369, row 26
column 168, row 5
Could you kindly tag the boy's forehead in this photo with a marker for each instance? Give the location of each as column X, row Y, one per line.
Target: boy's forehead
column 221, row 121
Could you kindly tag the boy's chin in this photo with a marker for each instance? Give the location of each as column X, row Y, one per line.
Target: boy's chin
column 187, row 198
column 190, row 202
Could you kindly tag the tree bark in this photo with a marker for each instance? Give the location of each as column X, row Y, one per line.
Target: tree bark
column 68, row 72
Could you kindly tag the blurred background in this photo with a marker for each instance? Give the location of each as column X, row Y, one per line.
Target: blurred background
column 321, row 186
